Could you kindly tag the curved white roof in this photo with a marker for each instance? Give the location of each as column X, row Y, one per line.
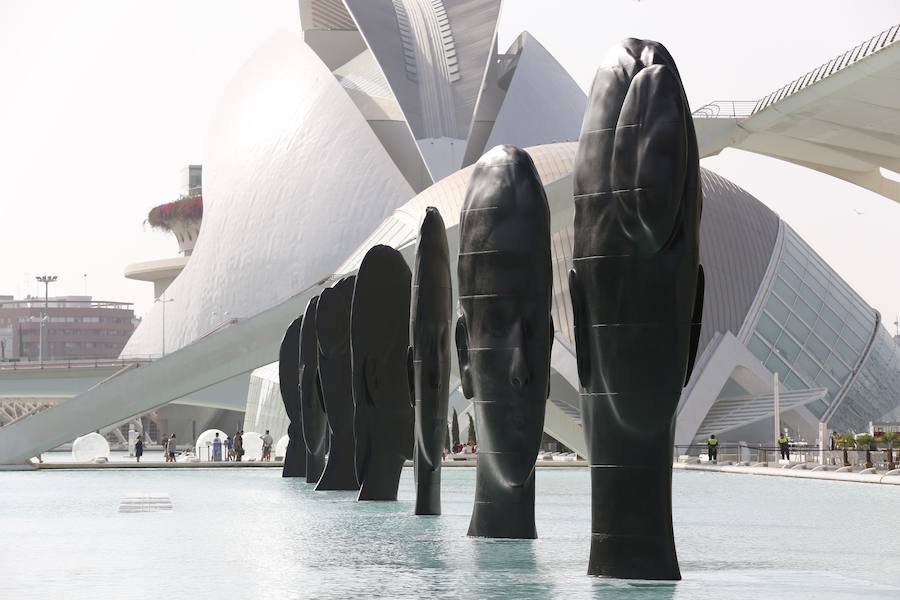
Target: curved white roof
column 294, row 181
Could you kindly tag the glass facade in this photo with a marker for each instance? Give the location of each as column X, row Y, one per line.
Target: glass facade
column 875, row 391
column 814, row 329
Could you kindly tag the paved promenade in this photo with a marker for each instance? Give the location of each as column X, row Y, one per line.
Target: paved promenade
column 798, row 471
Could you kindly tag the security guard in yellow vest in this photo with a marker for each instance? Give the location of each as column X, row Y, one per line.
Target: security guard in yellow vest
column 712, row 448
column 785, row 446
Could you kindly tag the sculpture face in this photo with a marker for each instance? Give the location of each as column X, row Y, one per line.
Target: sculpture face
column 504, row 335
column 315, row 424
column 379, row 339
column 637, row 297
column 430, row 335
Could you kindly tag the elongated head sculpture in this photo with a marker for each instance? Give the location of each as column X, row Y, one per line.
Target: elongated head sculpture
column 505, row 334
column 379, row 339
column 429, row 357
column 289, row 383
column 333, row 332
column 637, row 297
column 312, row 414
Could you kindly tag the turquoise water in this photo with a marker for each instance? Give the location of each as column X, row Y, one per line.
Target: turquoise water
column 251, row 534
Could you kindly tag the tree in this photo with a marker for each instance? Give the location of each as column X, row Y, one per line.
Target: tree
column 472, row 439
column 845, row 442
column 890, row 438
column 864, row 442
column 454, row 429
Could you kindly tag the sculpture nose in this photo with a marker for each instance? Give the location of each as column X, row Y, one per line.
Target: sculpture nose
column 518, row 373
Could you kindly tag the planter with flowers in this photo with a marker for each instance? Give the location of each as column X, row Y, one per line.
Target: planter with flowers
column 181, row 217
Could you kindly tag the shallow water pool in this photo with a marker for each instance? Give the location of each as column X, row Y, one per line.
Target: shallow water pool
column 249, row 533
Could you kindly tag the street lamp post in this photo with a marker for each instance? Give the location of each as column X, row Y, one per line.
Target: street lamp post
column 163, row 301
column 46, row 280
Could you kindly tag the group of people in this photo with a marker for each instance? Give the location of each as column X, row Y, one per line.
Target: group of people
column 233, row 446
column 459, row 448
column 784, row 445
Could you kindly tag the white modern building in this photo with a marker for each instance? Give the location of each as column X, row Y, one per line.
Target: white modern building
column 337, row 137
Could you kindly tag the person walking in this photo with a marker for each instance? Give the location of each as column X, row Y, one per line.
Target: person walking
column 229, row 449
column 712, row 448
column 170, row 449
column 785, row 446
column 139, row 448
column 217, row 448
column 267, row 446
column 238, row 446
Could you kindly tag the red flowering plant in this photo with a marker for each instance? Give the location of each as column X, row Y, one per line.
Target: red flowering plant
column 186, row 208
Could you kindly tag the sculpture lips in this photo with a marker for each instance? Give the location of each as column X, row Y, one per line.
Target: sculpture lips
column 637, row 296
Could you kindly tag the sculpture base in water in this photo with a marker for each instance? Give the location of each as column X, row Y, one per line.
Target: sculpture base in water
column 503, row 512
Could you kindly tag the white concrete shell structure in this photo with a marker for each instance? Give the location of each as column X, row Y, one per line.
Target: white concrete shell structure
column 841, row 118
column 315, row 142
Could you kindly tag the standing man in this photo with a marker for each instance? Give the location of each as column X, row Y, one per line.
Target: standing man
column 217, row 448
column 785, row 446
column 170, row 449
column 267, row 446
column 712, row 448
column 238, row 446
column 139, row 448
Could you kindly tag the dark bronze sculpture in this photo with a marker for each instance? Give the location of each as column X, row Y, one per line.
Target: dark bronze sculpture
column 637, row 295
column 289, row 383
column 429, row 357
column 505, row 334
column 312, row 413
column 333, row 333
column 379, row 340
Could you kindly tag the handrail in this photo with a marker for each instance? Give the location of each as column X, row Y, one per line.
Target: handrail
column 725, row 109
column 75, row 363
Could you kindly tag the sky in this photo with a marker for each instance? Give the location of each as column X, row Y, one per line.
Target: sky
column 103, row 102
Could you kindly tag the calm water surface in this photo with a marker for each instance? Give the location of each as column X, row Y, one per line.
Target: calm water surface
column 251, row 534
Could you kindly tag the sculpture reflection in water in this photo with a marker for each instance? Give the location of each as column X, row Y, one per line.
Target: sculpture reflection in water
column 505, row 334
column 379, row 339
column 637, row 295
column 333, row 332
column 289, row 383
column 315, row 423
column 429, row 357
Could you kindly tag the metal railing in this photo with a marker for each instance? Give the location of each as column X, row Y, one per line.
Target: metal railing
column 76, row 363
column 759, row 453
column 725, row 109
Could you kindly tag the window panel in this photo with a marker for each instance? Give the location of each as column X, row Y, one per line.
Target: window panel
column 815, row 347
column 797, row 328
column 776, row 365
column 847, row 353
column 824, row 380
column 768, row 328
column 812, row 297
column 792, row 382
column 806, row 366
column 758, row 347
column 792, row 278
column 784, row 291
column 777, row 309
column 805, row 311
column 788, row 348
column 817, row 408
column 831, row 318
column 837, row 369
column 826, row 333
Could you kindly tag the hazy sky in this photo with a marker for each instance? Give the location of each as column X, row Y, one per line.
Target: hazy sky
column 102, row 102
